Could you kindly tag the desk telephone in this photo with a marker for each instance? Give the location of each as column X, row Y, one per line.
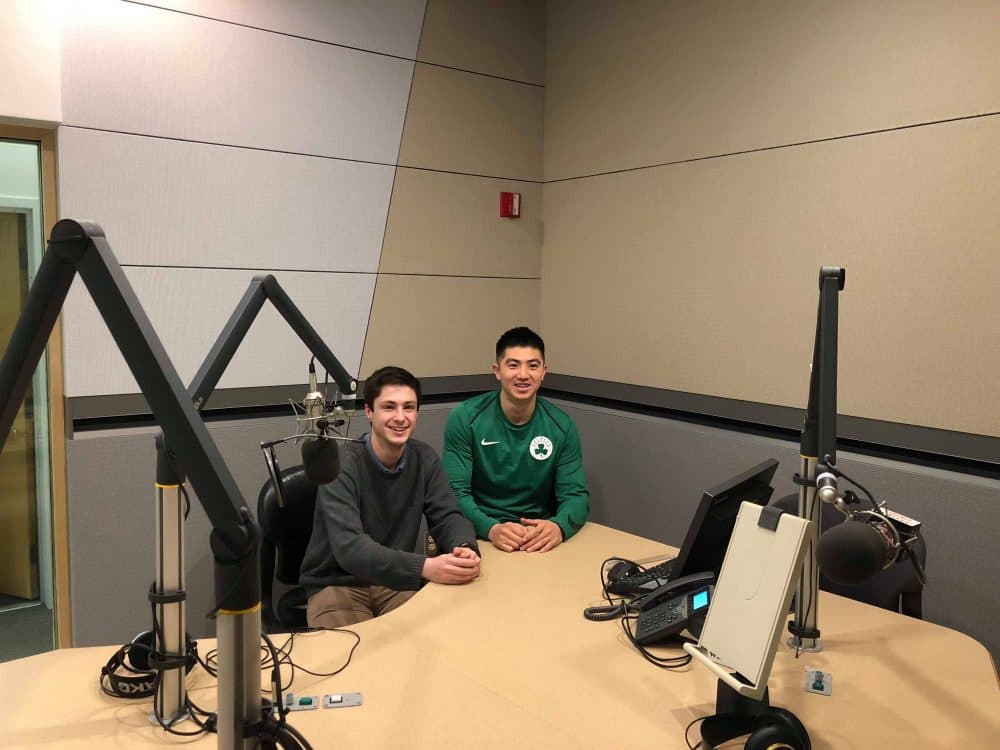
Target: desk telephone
column 673, row 607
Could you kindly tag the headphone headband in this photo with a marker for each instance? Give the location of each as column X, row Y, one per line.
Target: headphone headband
column 140, row 666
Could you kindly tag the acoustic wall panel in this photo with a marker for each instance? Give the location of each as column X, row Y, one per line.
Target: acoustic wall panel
column 449, row 224
column 188, row 308
column 391, row 27
column 176, row 203
column 138, row 69
column 714, row 285
column 29, row 62
column 436, row 326
column 640, row 83
column 498, row 39
column 463, row 122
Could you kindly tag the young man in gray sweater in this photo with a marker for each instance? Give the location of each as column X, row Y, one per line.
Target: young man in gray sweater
column 360, row 562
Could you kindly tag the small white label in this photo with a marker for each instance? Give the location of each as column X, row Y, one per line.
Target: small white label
column 818, row 681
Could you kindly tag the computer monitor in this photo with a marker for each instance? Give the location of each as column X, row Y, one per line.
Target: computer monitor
column 711, row 528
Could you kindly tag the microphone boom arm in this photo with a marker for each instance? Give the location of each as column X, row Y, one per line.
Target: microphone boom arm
column 818, row 448
column 235, row 538
column 81, row 247
column 261, row 289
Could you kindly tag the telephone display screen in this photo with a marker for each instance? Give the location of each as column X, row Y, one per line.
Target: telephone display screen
column 699, row 600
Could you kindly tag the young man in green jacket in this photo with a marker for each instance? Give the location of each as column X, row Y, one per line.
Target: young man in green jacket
column 514, row 459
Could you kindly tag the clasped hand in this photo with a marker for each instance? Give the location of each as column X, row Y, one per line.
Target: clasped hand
column 461, row 565
column 530, row 535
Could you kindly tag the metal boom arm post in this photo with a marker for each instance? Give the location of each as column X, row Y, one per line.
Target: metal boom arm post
column 818, row 446
column 235, row 537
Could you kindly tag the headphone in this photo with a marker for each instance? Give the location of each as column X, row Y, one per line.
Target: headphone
column 773, row 729
column 141, row 665
column 778, row 729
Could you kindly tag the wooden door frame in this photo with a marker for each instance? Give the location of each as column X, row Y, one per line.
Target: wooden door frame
column 57, row 401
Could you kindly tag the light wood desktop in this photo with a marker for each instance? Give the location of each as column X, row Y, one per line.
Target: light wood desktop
column 509, row 661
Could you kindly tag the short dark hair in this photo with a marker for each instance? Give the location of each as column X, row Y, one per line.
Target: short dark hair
column 520, row 336
column 390, row 375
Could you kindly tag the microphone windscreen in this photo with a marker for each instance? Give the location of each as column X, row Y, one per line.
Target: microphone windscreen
column 851, row 552
column 321, row 460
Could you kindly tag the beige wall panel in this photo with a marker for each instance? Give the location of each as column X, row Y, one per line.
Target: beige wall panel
column 501, row 39
column 449, row 224
column 463, row 122
column 444, row 326
column 389, row 26
column 713, row 285
column 650, row 81
column 29, row 62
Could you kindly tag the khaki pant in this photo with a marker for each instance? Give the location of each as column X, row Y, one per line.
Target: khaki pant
column 337, row 606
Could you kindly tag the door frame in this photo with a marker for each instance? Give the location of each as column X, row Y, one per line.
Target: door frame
column 57, row 402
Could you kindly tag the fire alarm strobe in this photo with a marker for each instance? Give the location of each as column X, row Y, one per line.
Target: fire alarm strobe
column 510, row 205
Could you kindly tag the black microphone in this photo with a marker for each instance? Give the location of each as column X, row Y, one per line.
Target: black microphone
column 320, row 459
column 865, row 544
column 852, row 552
column 320, row 455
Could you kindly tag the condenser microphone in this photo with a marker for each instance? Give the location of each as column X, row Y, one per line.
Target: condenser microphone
column 320, row 455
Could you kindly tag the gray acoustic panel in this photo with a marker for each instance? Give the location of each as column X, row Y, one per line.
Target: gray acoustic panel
column 188, row 308
column 137, row 69
column 927, row 440
column 176, row 203
column 388, row 26
column 112, row 527
column 647, row 474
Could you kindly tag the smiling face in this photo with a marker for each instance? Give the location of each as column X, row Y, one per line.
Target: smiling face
column 393, row 416
column 520, row 370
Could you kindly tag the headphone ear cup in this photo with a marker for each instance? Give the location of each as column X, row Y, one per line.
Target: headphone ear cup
column 143, row 644
column 139, row 651
column 779, row 729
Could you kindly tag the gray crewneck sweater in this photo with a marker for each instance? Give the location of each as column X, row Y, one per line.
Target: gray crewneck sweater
column 367, row 521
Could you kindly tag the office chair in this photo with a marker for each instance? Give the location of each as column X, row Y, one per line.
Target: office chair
column 286, row 531
column 896, row 588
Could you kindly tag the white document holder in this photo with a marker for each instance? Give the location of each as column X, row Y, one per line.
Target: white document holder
column 751, row 600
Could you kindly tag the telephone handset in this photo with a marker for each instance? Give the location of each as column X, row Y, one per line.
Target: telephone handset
column 670, row 589
column 673, row 607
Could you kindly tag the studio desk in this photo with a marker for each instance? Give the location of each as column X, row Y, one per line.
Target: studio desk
column 509, row 661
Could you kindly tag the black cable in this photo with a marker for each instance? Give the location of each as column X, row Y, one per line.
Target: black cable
column 614, row 609
column 663, row 662
column 187, row 500
column 688, row 729
column 350, row 655
column 871, row 498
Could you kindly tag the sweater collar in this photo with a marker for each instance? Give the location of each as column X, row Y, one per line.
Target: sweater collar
column 367, row 440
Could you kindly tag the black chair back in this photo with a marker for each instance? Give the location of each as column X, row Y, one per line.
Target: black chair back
column 896, row 588
column 286, row 531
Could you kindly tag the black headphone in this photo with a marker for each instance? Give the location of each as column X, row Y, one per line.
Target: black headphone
column 778, row 729
column 141, row 665
column 773, row 729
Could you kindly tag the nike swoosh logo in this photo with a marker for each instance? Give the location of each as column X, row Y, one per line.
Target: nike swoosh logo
column 484, row 441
